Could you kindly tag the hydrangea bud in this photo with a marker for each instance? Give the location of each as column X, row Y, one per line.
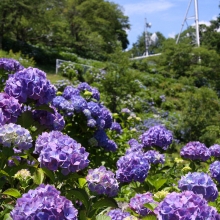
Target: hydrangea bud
column 57, row 150
column 118, row 214
column 214, row 169
column 10, row 109
column 195, row 151
column 132, row 167
column 155, row 157
column 160, row 195
column 185, row 205
column 44, row 202
column 215, row 150
column 16, row 136
column 199, row 183
column 102, row 181
column 157, row 136
column 139, row 200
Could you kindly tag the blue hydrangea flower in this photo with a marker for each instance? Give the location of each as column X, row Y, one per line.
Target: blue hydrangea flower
column 79, row 103
column 30, row 83
column 102, row 181
column 52, row 121
column 111, row 146
column 132, row 167
column 199, row 183
column 57, row 150
column 10, row 109
column 10, row 65
column 185, row 205
column 126, row 110
column 94, row 108
column 157, row 136
column 70, row 91
column 214, row 169
column 12, row 135
column 215, row 150
column 118, row 214
column 195, row 151
column 104, row 119
column 45, row 202
column 95, row 94
column 155, row 157
column 139, row 200
column 116, row 127
column 84, row 86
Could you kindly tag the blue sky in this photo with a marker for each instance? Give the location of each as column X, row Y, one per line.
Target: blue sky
column 165, row 16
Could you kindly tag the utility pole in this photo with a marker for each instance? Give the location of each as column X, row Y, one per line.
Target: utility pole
column 147, row 40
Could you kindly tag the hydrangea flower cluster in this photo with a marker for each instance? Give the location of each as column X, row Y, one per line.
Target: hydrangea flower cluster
column 214, row 169
column 157, row 136
column 10, row 109
column 86, row 87
column 155, row 157
column 10, row 65
column 16, row 136
column 52, row 121
column 137, row 203
column 195, row 151
column 215, row 150
column 45, row 202
column 116, row 127
column 132, row 166
column 118, row 214
column 57, row 150
column 199, row 183
column 102, row 181
column 185, row 205
column 30, row 83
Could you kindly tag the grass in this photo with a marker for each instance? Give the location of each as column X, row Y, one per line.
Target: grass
column 54, row 77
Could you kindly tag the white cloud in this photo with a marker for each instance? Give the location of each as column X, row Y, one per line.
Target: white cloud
column 172, row 35
column 150, row 6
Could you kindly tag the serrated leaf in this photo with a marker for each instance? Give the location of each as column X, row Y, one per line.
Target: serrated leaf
column 106, row 202
column 159, row 183
column 149, row 217
column 7, row 217
column 49, row 173
column 150, row 206
column 38, row 176
column 81, row 195
column 102, row 217
column 10, row 207
column 12, row 192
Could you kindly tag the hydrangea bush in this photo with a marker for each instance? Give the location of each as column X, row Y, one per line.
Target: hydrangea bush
column 65, row 155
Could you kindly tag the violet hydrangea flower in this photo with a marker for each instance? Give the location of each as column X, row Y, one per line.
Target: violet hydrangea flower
column 118, row 214
column 10, row 109
column 10, row 65
column 199, row 183
column 195, row 151
column 102, row 181
column 215, row 150
column 16, row 136
column 57, row 150
column 157, row 136
column 137, row 203
column 132, row 167
column 44, row 202
column 30, row 83
column 214, row 169
column 185, row 205
column 155, row 157
column 116, row 127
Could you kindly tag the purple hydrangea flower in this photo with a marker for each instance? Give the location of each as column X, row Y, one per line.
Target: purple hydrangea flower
column 157, row 136
column 79, row 103
column 30, row 83
column 214, row 169
column 94, row 108
column 215, row 150
column 91, row 123
column 199, row 183
column 52, row 121
column 118, row 214
column 104, row 119
column 195, row 151
column 155, row 157
column 134, row 146
column 102, row 181
column 139, row 200
column 116, row 127
column 57, row 150
column 126, row 110
column 10, row 109
column 11, row 162
column 45, row 202
column 111, row 146
column 70, row 91
column 133, row 166
column 10, row 65
column 185, row 205
column 95, row 94
column 84, row 86
column 16, row 136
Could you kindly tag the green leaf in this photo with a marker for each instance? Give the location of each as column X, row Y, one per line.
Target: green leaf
column 82, row 182
column 103, row 217
column 50, row 174
column 81, row 195
column 7, row 217
column 10, row 207
column 26, row 120
column 149, row 217
column 82, row 215
column 159, row 183
column 38, row 176
column 45, row 108
column 12, row 192
column 3, row 173
column 106, row 202
column 150, row 206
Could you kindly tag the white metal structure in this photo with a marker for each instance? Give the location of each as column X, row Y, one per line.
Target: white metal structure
column 196, row 17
